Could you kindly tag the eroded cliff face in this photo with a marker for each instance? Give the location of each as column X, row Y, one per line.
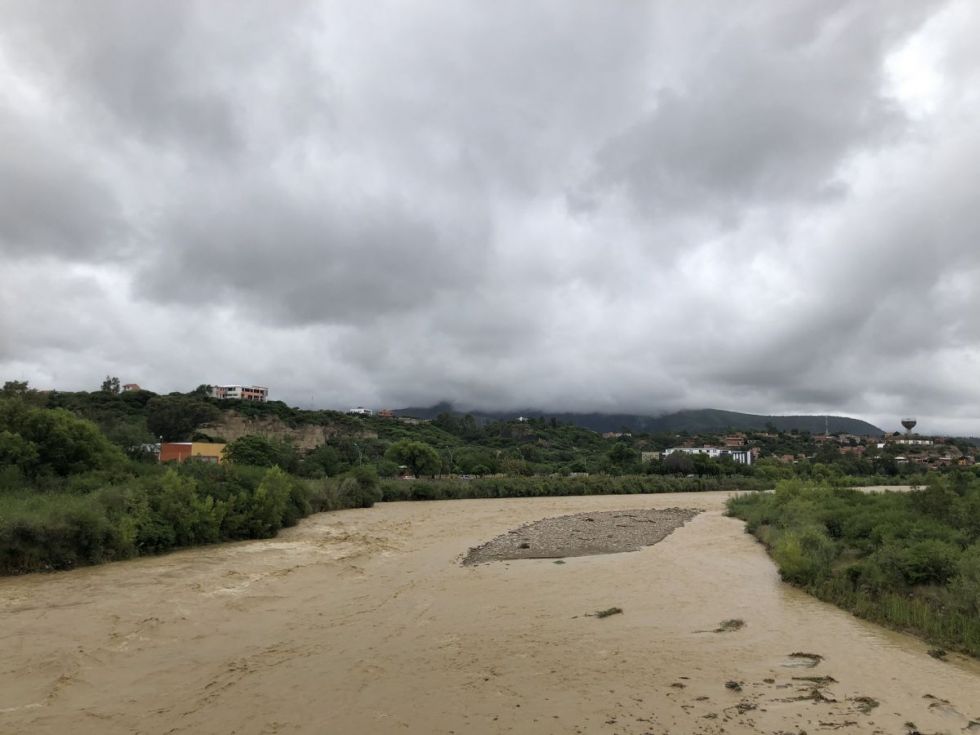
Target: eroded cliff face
column 233, row 425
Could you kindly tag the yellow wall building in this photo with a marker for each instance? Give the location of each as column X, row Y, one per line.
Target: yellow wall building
column 182, row 451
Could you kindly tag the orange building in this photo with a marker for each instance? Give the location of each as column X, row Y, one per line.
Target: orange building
column 183, row 451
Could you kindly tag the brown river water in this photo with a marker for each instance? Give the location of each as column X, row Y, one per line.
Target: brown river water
column 364, row 621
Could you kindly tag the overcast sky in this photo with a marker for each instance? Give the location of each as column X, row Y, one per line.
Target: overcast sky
column 770, row 207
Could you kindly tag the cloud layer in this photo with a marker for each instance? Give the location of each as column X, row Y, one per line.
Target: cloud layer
column 623, row 207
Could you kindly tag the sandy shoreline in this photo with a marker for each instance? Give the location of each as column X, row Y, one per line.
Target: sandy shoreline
column 364, row 621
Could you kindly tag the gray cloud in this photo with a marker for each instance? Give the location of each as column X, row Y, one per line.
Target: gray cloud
column 625, row 207
column 52, row 204
column 768, row 118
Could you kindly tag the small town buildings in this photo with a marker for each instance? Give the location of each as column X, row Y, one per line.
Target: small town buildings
column 739, row 456
column 360, row 411
column 130, row 388
column 198, row 451
column 240, row 392
column 649, row 456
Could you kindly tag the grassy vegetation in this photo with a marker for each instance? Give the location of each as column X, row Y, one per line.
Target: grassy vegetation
column 908, row 560
column 532, row 487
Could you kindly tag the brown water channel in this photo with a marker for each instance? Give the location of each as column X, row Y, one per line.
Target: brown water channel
column 364, row 621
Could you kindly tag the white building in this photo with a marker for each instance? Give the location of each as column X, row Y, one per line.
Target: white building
column 240, row 392
column 739, row 456
column 360, row 411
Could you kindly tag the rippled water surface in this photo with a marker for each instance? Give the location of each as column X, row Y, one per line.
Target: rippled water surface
column 364, row 621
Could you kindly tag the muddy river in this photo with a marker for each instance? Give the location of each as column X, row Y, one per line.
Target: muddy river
column 364, row 621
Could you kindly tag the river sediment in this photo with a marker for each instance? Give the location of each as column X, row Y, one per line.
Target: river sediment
column 364, row 621
column 583, row 534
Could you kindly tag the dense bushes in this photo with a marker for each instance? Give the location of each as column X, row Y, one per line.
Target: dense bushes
column 530, row 487
column 360, row 489
column 182, row 506
column 198, row 503
column 260, row 451
column 39, row 441
column 911, row 560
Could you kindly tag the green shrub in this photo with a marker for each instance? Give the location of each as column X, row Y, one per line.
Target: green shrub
column 360, row 489
column 804, row 556
column 896, row 558
column 269, row 503
column 965, row 586
column 917, row 562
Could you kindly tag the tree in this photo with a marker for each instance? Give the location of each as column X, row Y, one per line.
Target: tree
column 360, row 489
column 111, row 385
column 14, row 388
column 622, row 454
column 418, row 456
column 17, row 452
column 679, row 463
column 19, row 389
column 512, row 466
column 53, row 441
column 175, row 417
column 704, row 465
column 260, row 451
column 324, row 460
column 471, row 460
column 269, row 503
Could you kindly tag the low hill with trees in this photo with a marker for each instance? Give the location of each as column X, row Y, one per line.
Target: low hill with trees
column 693, row 421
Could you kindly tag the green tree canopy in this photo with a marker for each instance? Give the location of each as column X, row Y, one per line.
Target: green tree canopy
column 419, row 457
column 12, row 388
column 678, row 463
column 176, row 417
column 260, row 451
column 52, row 441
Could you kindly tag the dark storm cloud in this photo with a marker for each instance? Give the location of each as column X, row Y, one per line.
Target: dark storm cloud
column 598, row 207
column 164, row 73
column 768, row 116
column 83, row 225
column 292, row 259
column 52, row 200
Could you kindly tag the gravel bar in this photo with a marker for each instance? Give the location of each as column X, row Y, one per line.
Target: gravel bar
column 583, row 534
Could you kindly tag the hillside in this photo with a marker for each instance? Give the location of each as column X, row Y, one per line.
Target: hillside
column 693, row 421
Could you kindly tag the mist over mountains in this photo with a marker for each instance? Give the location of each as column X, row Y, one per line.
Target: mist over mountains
column 695, row 420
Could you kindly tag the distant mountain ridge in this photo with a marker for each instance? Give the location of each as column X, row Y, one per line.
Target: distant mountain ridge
column 697, row 420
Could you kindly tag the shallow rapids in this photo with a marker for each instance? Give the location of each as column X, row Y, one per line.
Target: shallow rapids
column 364, row 621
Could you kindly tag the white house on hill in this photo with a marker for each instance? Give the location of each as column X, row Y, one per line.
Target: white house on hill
column 739, row 456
